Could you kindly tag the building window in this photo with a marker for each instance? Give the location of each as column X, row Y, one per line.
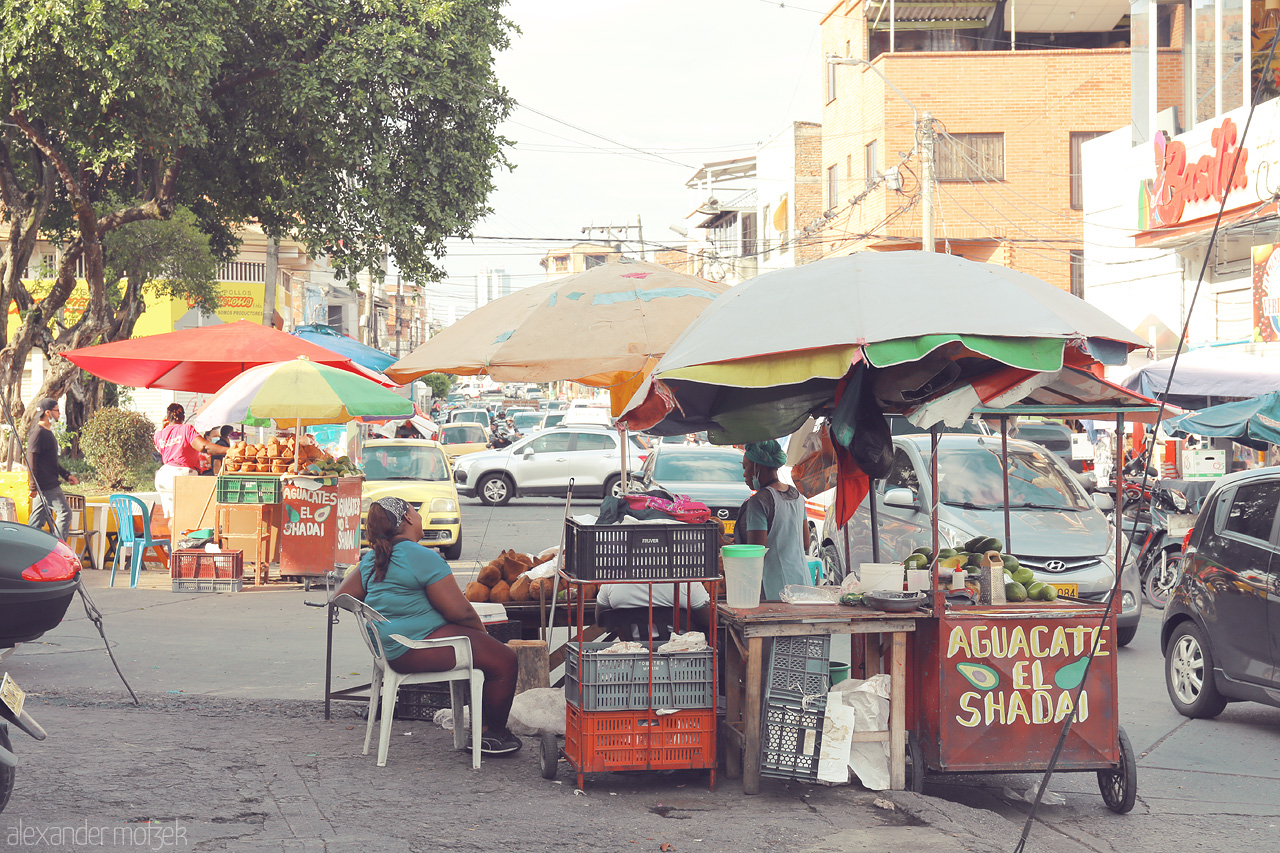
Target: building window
column 562, row 263
column 766, row 221
column 831, row 82
column 833, row 186
column 969, row 157
column 1077, row 273
column 748, row 235
column 871, row 159
column 1077, row 165
column 592, row 261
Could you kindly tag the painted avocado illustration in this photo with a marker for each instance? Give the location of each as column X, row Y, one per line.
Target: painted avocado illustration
column 322, row 514
column 1070, row 676
column 294, row 518
column 980, row 676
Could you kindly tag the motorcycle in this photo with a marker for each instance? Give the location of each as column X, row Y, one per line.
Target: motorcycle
column 39, row 575
column 1158, row 528
column 500, row 437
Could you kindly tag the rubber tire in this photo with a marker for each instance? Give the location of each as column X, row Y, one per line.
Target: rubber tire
column 612, row 487
column 814, row 548
column 7, row 773
column 454, row 551
column 502, row 497
column 1150, row 586
column 1119, row 787
column 548, row 755
column 1189, row 645
column 1124, row 636
column 830, row 557
column 916, row 771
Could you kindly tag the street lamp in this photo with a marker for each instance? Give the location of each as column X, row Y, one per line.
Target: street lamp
column 923, row 132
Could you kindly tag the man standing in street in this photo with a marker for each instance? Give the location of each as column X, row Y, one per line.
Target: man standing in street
column 47, row 501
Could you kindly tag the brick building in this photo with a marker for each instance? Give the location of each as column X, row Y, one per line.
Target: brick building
column 1011, row 101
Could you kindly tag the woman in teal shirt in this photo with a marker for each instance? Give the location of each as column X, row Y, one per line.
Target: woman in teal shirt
column 773, row 517
column 414, row 588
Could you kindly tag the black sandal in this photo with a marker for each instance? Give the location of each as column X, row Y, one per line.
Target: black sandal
column 500, row 742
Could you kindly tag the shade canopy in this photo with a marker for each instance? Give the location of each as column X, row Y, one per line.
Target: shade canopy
column 602, row 327
column 362, row 354
column 200, row 360
column 299, row 392
column 1207, row 373
column 1254, row 423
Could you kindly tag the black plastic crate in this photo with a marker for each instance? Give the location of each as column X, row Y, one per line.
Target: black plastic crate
column 641, row 552
column 799, row 668
column 791, row 738
column 422, row 701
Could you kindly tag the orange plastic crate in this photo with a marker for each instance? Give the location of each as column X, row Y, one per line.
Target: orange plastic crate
column 197, row 563
column 597, row 741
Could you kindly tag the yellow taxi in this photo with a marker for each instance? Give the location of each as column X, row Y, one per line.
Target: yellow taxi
column 418, row 471
column 461, row 438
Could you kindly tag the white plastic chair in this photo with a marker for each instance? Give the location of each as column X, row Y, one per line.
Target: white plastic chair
column 385, row 684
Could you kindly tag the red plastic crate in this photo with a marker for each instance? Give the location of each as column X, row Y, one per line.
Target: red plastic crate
column 596, row 741
column 196, row 563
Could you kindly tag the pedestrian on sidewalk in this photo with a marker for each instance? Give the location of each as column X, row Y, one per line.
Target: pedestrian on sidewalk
column 48, row 504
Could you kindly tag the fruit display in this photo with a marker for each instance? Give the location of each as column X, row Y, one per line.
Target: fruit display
column 282, row 455
column 1020, row 582
column 502, row 580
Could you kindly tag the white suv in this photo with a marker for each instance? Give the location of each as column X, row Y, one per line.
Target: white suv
column 543, row 464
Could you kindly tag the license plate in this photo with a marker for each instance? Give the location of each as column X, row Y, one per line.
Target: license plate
column 1180, row 524
column 1069, row 589
column 11, row 694
column 728, row 525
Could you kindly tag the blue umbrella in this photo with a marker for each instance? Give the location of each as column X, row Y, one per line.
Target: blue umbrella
column 1254, row 423
column 361, row 354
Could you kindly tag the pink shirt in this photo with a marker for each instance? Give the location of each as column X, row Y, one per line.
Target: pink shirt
column 175, row 445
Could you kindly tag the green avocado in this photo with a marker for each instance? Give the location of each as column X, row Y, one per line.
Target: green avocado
column 916, row 561
column 991, row 544
column 979, row 675
column 1023, row 575
column 1050, row 593
column 1010, row 562
column 1014, row 591
column 926, row 552
column 972, row 544
column 1035, row 592
column 976, row 560
column 944, row 553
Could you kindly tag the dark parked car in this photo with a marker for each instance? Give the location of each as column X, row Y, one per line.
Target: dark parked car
column 1221, row 627
column 709, row 475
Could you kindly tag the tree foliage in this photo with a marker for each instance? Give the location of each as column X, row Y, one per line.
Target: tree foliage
column 356, row 126
column 117, row 441
column 439, row 383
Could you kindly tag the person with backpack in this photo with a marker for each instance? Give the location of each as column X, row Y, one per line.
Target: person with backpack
column 773, row 517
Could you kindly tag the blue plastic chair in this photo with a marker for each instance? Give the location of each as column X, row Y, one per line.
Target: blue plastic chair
column 123, row 506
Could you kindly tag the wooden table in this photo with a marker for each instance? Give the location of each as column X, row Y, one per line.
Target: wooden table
column 744, row 674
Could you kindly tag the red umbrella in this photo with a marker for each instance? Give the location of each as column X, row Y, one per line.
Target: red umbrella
column 202, row 360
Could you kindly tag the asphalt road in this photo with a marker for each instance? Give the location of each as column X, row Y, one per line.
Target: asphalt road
column 1202, row 784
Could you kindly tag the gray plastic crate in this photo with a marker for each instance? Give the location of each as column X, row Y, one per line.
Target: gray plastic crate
column 613, row 681
column 791, row 738
column 207, row 584
column 799, row 667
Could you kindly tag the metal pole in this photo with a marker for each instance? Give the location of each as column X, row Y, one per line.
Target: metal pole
column 640, row 235
column 1004, row 465
column 926, row 179
column 939, row 597
column 1118, row 474
column 875, row 524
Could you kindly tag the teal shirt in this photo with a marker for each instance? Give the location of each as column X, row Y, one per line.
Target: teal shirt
column 401, row 595
column 784, row 520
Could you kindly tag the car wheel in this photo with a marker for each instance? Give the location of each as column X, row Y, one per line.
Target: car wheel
column 832, row 570
column 1124, row 636
column 613, row 487
column 1188, row 674
column 454, row 551
column 814, row 551
column 6, row 772
column 494, row 490
column 1159, row 585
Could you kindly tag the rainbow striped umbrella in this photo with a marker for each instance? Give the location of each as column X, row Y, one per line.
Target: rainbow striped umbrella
column 301, row 392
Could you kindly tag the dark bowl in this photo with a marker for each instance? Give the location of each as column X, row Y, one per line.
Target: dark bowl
column 896, row 602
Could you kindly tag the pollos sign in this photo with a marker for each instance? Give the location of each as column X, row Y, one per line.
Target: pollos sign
column 1180, row 182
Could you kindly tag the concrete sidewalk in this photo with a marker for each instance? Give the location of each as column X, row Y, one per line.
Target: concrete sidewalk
column 229, row 751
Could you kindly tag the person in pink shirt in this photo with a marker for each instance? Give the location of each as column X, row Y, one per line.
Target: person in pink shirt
column 180, row 445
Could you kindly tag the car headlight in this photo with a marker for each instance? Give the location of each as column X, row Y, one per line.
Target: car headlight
column 1179, row 500
column 950, row 537
column 444, row 505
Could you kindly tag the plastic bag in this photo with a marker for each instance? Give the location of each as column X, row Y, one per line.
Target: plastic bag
column 693, row 641
column 541, row 709
column 870, row 703
column 800, row 594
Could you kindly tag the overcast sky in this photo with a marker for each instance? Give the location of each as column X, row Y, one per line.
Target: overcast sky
column 682, row 81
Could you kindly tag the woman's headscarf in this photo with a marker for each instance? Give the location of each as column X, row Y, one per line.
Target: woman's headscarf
column 395, row 507
column 767, row 453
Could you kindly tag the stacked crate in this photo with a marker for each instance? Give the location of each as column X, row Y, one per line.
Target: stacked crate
column 794, row 706
column 196, row 570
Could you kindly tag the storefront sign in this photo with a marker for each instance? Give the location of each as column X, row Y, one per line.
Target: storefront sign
column 1020, row 673
column 1266, row 293
column 321, row 526
column 1181, row 182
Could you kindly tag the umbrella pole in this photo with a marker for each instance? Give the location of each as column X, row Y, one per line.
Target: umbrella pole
column 626, row 449
column 297, row 444
column 875, row 524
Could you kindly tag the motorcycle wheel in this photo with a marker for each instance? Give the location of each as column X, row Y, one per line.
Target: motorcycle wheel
column 1158, row 585
column 6, row 772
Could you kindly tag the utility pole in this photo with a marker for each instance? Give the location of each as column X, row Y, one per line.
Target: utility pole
column 926, row 191
column 612, row 232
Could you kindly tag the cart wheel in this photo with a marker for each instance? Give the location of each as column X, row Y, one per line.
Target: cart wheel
column 549, row 755
column 306, row 584
column 1119, row 787
column 915, row 778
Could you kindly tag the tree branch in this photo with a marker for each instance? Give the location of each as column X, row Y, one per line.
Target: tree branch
column 46, row 146
column 228, row 83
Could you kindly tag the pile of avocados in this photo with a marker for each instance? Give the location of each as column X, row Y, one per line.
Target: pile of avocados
column 1020, row 583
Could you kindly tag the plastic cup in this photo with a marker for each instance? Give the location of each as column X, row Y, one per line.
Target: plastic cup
column 743, row 574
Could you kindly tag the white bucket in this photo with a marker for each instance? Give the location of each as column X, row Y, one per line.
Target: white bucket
column 878, row 577
column 743, row 576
